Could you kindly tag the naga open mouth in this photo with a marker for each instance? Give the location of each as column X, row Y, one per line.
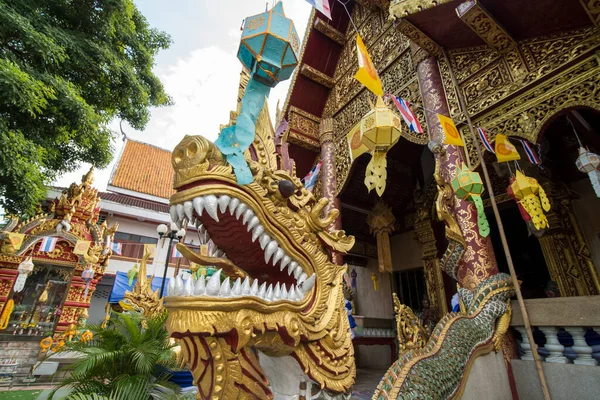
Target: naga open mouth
column 254, row 263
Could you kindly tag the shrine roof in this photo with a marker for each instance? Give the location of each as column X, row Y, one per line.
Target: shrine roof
column 144, row 168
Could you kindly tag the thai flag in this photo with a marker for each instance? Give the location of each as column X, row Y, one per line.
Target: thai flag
column 48, row 244
column 484, row 139
column 311, row 179
column 409, row 117
column 176, row 253
column 117, row 248
column 321, row 5
column 531, row 155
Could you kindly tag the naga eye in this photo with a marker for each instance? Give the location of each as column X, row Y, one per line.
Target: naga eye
column 286, row 188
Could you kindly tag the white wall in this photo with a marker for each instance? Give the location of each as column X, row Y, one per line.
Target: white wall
column 406, row 251
column 586, row 210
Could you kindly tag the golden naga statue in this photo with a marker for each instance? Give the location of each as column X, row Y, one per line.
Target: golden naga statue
column 271, row 322
column 411, row 334
column 142, row 299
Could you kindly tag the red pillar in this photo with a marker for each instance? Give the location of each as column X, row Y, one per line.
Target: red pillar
column 479, row 261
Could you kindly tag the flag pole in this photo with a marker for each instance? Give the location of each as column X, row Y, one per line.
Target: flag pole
column 511, row 267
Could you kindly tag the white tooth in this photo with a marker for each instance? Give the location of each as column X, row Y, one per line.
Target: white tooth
column 277, row 292
column 264, row 240
column 188, row 287
column 270, row 250
column 178, row 286
column 218, row 253
column 292, row 293
column 262, row 290
column 285, row 261
column 210, row 205
column 171, row 288
column 223, row 203
column 302, row 278
column 214, row 284
column 233, row 205
column 225, row 288
column 254, row 288
column 198, row 204
column 188, row 209
column 173, row 212
column 269, row 294
column 180, row 212
column 248, row 214
column 200, row 286
column 253, row 222
column 278, row 256
column 237, row 287
column 246, row 287
column 194, row 220
column 297, row 272
column 309, row 283
column 284, row 293
column 240, row 209
column 257, row 232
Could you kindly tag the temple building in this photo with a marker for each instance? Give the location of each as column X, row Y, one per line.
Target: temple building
column 509, row 71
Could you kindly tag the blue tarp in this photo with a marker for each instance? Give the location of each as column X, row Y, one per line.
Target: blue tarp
column 121, row 285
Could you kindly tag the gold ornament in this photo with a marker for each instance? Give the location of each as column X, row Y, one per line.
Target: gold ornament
column 142, row 299
column 411, row 334
column 531, row 195
column 380, row 130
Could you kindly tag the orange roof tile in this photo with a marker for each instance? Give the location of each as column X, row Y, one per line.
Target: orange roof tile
column 144, row 168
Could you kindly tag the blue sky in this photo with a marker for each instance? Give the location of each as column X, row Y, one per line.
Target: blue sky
column 200, row 70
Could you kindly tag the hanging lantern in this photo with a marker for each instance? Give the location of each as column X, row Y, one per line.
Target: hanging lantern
column 532, row 197
column 380, row 130
column 588, row 163
column 25, row 269
column 381, row 223
column 269, row 46
column 375, row 280
column 87, row 275
column 467, row 185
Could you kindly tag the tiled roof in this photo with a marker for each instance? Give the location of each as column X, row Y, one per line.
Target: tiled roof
column 144, row 168
column 134, row 202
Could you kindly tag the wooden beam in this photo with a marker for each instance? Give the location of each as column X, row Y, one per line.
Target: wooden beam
column 418, row 37
column 329, row 31
column 317, row 76
column 592, row 7
column 476, row 17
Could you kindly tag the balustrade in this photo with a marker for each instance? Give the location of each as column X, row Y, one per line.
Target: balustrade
column 565, row 330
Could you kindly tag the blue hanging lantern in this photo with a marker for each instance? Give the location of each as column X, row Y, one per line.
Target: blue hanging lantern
column 269, row 46
column 269, row 50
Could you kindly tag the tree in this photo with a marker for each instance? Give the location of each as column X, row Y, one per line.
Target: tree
column 120, row 362
column 67, row 68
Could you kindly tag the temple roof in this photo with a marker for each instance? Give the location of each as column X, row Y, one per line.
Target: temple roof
column 145, row 169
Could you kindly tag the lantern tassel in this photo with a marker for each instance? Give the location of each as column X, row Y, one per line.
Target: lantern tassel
column 482, row 222
column 595, row 179
column 376, row 173
column 384, row 254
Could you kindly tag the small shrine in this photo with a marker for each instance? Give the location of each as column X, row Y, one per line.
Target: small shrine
column 50, row 265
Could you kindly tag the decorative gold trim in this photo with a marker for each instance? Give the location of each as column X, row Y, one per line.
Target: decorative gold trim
column 403, row 8
column 592, row 8
column 417, row 36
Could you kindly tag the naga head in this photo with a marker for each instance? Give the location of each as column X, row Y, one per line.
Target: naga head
column 277, row 303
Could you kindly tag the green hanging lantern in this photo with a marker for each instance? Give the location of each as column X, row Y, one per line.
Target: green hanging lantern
column 468, row 186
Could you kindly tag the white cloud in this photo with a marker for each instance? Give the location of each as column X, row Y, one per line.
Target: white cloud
column 203, row 83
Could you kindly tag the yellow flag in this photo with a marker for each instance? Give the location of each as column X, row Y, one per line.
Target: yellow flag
column 357, row 147
column 450, row 132
column 505, row 151
column 82, row 247
column 16, row 239
column 367, row 74
column 150, row 248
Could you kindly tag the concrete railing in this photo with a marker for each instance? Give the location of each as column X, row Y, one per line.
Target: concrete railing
column 566, row 329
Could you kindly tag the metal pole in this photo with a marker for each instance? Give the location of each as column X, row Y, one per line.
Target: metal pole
column 511, row 267
column 162, row 285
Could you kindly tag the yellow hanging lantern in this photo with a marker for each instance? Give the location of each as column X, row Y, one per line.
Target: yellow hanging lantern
column 375, row 280
column 531, row 195
column 379, row 131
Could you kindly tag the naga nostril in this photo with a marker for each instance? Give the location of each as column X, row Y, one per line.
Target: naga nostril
column 286, row 188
